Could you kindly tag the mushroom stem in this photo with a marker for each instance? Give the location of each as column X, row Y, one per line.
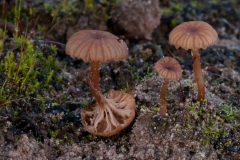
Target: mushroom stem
column 198, row 74
column 93, row 83
column 97, row 94
column 163, row 108
column 95, row 74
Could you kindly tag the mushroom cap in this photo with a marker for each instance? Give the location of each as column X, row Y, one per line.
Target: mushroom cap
column 118, row 112
column 169, row 68
column 193, row 35
column 95, row 45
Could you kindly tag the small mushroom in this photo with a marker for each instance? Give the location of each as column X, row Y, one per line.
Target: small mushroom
column 114, row 110
column 169, row 69
column 116, row 114
column 95, row 47
column 194, row 35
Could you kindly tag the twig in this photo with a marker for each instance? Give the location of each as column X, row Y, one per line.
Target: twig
column 9, row 27
column 53, row 42
column 169, row 52
column 9, row 156
column 230, row 25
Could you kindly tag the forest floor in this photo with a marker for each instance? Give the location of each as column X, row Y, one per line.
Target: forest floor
column 46, row 123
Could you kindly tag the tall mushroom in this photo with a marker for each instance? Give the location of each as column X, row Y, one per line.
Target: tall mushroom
column 169, row 69
column 114, row 110
column 194, row 35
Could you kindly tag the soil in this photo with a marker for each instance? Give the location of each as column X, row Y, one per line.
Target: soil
column 190, row 130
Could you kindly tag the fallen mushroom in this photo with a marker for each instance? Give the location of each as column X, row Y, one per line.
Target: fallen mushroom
column 115, row 115
column 114, row 110
column 169, row 69
column 194, row 35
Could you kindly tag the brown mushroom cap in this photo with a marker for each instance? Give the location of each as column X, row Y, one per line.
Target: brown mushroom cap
column 169, row 68
column 193, row 35
column 94, row 45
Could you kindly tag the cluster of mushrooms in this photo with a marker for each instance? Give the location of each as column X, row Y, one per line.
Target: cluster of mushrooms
column 115, row 110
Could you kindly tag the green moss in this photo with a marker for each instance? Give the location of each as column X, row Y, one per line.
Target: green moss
column 155, row 109
column 54, row 134
column 54, row 120
column 207, row 125
column 100, row 10
column 65, row 6
column 3, row 36
column 41, row 101
column 90, row 137
column 22, row 72
column 53, row 48
column 71, row 141
column 124, row 89
column 37, row 139
column 154, row 125
column 84, row 103
column 228, row 112
column 143, row 107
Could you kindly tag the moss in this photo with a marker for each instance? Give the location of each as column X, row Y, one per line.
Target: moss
column 90, row 137
column 64, row 7
column 71, row 141
column 155, row 109
column 54, row 120
column 54, row 134
column 207, row 125
column 100, row 10
column 143, row 107
column 22, row 72
column 228, row 112
column 84, row 103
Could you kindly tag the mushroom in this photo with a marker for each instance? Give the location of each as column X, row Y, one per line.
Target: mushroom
column 194, row 35
column 114, row 110
column 116, row 114
column 169, row 69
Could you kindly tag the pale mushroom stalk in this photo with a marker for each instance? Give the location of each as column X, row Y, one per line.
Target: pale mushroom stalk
column 198, row 74
column 97, row 93
column 98, row 96
column 95, row 74
column 163, row 108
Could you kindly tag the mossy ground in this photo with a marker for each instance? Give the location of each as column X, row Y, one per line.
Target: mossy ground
column 42, row 92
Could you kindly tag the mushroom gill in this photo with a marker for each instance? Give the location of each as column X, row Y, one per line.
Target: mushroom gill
column 117, row 113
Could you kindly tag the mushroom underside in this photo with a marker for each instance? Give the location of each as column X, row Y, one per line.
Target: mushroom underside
column 116, row 114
